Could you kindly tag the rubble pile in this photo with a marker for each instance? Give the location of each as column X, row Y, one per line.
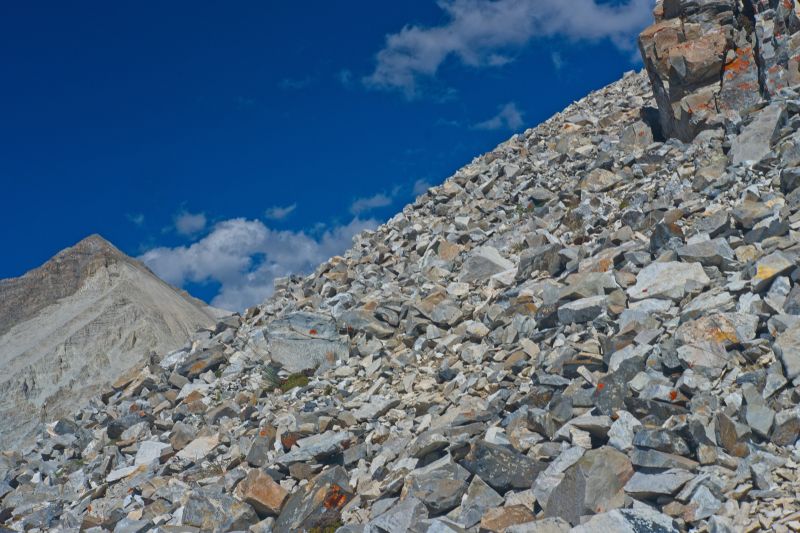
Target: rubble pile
column 590, row 328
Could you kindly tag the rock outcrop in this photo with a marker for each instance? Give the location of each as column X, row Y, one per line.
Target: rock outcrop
column 711, row 62
column 76, row 324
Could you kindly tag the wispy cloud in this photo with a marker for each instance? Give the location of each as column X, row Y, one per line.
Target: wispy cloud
column 345, row 77
column 279, row 212
column 558, row 60
column 362, row 205
column 290, row 84
column 245, row 256
column 135, row 218
column 490, row 33
column 189, row 224
column 243, row 102
column 421, row 186
column 447, row 122
column 509, row 117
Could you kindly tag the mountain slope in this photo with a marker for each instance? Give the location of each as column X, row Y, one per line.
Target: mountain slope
column 77, row 322
column 590, row 328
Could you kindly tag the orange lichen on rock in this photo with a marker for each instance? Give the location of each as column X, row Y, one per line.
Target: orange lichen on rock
column 740, row 64
column 336, row 498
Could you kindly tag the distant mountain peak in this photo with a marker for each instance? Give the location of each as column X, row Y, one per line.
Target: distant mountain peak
column 76, row 322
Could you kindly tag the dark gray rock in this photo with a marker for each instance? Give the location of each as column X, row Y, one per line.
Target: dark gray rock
column 500, row 467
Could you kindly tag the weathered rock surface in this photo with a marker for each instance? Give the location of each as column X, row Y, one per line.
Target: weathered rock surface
column 711, row 63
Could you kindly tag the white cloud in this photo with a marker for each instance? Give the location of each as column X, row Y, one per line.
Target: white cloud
column 279, row 213
column 421, row 187
column 508, row 118
column 189, row 224
column 245, row 256
column 488, row 33
column 362, row 205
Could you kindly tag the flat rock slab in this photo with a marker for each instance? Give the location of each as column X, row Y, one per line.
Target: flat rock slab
column 482, row 264
column 753, row 144
column 545, row 525
column 502, row 468
column 479, row 498
column 199, row 448
column 149, row 452
column 639, row 520
column 316, row 446
column 401, row 517
column 375, row 407
column 262, row 492
column 439, row 486
column 770, row 267
column 583, row 310
column 727, row 329
column 304, row 341
column 669, row 281
column 643, row 485
column 211, row 511
column 714, row 252
column 788, row 349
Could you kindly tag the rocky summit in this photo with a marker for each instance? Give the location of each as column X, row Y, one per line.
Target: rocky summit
column 77, row 323
column 594, row 327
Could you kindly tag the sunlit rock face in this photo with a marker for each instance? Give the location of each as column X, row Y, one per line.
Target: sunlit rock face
column 711, row 61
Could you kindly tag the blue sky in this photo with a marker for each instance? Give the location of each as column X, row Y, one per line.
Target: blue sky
column 228, row 143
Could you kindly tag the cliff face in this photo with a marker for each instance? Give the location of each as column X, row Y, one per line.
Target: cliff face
column 712, row 61
column 78, row 322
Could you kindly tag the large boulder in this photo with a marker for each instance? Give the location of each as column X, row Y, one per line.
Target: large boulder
column 304, row 341
column 595, row 484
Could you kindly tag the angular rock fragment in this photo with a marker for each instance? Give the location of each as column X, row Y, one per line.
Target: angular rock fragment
column 303, row 341
column 439, row 486
column 318, row 504
column 667, row 483
column 787, row 346
column 500, row 467
column 593, row 485
column 483, row 263
column 671, row 281
column 262, row 493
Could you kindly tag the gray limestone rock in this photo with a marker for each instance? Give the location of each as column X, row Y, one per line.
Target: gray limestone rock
column 583, row 310
column 638, row 520
column 787, row 346
column 593, row 485
column 500, row 467
column 478, row 499
column 667, row 483
column 483, row 263
column 671, row 280
column 304, row 341
column 754, row 142
column 439, row 485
